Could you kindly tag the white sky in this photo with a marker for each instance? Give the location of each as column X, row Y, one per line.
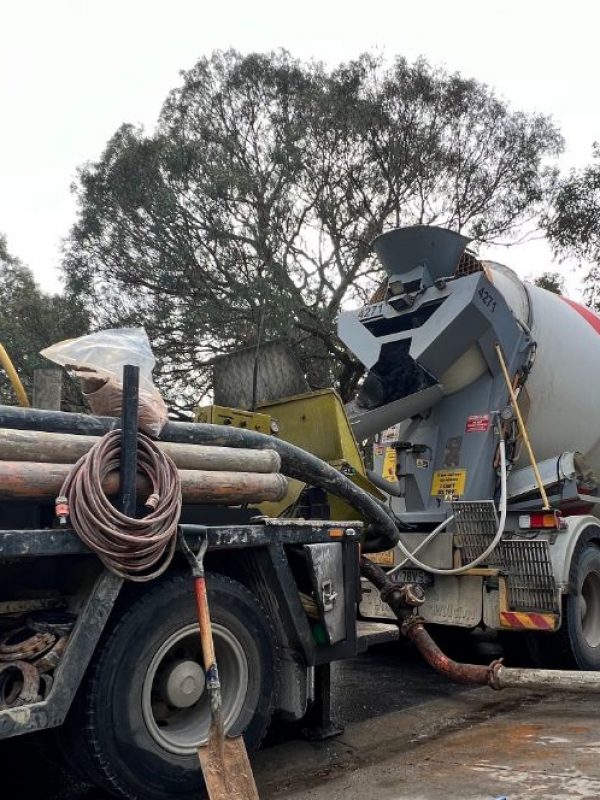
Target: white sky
column 71, row 71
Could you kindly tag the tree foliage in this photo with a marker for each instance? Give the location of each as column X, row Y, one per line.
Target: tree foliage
column 573, row 226
column 262, row 187
column 552, row 281
column 31, row 320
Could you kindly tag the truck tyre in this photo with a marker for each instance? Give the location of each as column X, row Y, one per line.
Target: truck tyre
column 74, row 749
column 146, row 707
column 583, row 607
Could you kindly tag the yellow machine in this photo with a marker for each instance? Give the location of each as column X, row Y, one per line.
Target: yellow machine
column 315, row 421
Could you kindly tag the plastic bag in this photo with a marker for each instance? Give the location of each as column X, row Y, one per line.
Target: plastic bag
column 98, row 360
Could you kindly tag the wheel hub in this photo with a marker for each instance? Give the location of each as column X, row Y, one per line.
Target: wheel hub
column 589, row 604
column 175, row 705
column 184, row 684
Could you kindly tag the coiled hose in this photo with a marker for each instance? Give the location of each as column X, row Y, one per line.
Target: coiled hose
column 136, row 549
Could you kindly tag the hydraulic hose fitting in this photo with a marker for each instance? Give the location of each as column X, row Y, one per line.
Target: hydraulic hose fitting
column 409, row 595
column 61, row 509
column 152, row 501
column 493, row 669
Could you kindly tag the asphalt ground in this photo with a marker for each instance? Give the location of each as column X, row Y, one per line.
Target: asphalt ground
column 388, row 678
column 481, row 745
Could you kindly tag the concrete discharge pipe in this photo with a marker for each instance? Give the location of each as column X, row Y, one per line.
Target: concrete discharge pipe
column 23, row 479
column 65, row 448
column 405, row 599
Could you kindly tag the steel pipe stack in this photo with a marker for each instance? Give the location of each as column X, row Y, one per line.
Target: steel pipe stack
column 34, row 464
column 382, row 532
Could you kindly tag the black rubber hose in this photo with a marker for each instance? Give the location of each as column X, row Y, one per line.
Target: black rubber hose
column 295, row 462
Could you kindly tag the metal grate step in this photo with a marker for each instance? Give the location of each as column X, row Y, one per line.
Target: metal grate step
column 476, row 524
column 526, row 563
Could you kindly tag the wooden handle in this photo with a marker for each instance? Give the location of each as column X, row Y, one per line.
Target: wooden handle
column 208, row 648
column 522, row 428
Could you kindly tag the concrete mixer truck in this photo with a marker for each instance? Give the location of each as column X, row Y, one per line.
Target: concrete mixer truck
column 482, row 400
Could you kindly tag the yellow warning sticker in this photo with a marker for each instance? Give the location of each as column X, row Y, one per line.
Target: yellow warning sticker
column 448, row 483
column 390, row 462
column 385, row 559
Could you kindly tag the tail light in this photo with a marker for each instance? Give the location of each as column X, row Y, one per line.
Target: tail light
column 543, row 520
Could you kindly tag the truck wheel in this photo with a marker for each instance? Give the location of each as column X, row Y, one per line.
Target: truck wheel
column 146, row 707
column 583, row 607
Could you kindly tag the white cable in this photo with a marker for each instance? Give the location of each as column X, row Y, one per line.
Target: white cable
column 492, row 546
column 425, row 541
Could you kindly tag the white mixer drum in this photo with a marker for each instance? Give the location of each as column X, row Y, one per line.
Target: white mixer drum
column 564, row 384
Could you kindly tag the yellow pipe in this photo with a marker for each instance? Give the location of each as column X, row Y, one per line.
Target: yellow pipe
column 15, row 381
column 522, row 429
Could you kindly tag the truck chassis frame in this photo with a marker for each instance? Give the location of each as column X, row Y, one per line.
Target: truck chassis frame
column 267, row 539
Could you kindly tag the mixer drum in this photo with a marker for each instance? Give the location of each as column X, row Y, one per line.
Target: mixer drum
column 563, row 388
column 564, row 385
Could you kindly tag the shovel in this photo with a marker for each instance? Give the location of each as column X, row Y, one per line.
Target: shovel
column 224, row 760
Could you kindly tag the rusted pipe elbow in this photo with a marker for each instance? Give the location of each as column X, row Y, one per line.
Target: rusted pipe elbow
column 402, row 598
column 481, row 675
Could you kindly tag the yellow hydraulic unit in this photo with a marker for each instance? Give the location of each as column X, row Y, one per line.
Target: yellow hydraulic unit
column 315, row 421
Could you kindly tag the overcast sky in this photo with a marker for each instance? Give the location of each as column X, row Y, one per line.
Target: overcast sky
column 72, row 71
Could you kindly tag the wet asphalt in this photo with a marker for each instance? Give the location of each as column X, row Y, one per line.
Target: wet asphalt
column 389, row 677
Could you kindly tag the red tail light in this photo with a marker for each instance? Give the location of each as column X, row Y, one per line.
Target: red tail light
column 543, row 520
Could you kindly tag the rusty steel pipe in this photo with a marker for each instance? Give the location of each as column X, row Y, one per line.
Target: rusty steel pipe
column 404, row 598
column 496, row 675
column 455, row 671
column 32, row 479
column 67, row 448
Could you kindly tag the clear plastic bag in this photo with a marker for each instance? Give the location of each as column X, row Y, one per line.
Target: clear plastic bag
column 98, row 360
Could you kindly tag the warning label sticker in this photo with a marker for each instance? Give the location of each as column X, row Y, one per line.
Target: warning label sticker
column 390, row 435
column 390, row 462
column 477, row 423
column 386, row 559
column 449, row 483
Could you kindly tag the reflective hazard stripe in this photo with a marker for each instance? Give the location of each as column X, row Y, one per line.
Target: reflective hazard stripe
column 529, row 620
